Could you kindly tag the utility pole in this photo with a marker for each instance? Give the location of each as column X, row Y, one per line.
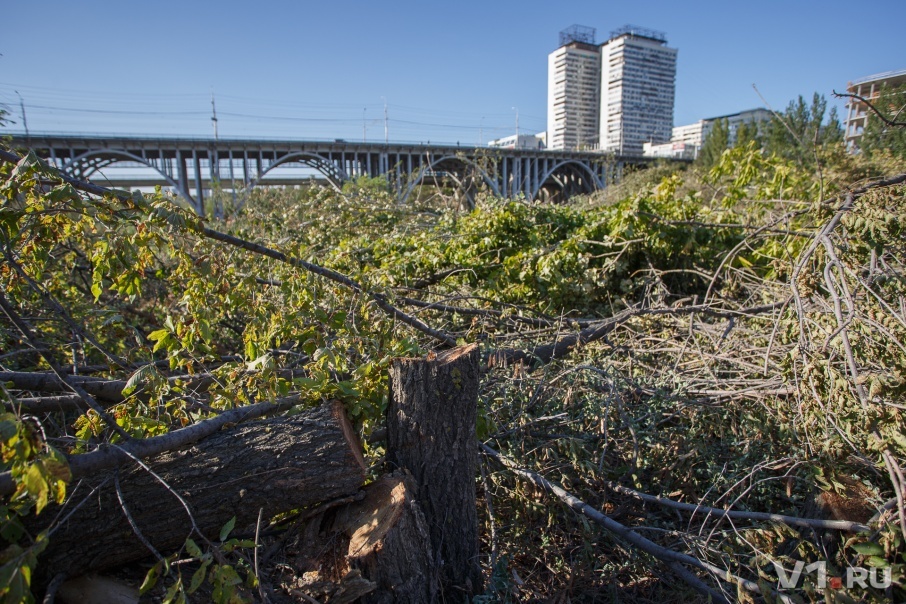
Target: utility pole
column 516, row 146
column 386, row 123
column 24, row 120
column 480, row 127
column 214, row 115
column 364, row 127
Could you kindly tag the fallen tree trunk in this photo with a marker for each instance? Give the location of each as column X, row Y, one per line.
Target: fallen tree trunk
column 276, row 465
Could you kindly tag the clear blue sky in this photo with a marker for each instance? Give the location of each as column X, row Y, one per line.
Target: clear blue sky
column 448, row 71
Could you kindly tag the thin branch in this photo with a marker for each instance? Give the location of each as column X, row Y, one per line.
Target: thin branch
column 887, row 121
column 838, row 525
column 672, row 558
column 53, row 587
column 125, row 509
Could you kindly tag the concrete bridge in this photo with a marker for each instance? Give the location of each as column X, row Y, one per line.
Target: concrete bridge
column 189, row 163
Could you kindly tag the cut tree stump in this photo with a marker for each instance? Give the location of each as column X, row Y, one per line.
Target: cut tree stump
column 431, row 434
column 389, row 543
column 374, row 551
column 277, row 464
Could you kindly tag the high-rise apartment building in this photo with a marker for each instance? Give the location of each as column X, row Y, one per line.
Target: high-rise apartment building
column 573, row 90
column 615, row 96
column 638, row 87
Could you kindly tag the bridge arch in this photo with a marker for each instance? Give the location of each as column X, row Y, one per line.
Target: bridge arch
column 84, row 165
column 334, row 174
column 568, row 168
column 418, row 176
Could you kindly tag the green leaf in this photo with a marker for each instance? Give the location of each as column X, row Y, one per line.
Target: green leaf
column 150, row 579
column 227, row 528
column 36, row 486
column 198, row 576
column 142, row 375
column 193, row 549
column 175, row 594
column 869, row 548
column 877, row 562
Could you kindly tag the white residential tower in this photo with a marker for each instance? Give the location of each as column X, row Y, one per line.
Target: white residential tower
column 573, row 85
column 638, row 86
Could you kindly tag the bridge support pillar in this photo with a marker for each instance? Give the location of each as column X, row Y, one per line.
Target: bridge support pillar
column 199, row 185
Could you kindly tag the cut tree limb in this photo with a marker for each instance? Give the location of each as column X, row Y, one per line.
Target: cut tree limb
column 545, row 353
column 276, row 465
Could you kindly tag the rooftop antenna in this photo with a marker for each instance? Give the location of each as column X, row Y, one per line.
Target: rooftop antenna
column 214, row 115
column 577, row 33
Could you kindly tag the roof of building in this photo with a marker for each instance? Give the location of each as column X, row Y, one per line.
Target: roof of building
column 729, row 115
column 887, row 75
column 577, row 33
column 639, row 32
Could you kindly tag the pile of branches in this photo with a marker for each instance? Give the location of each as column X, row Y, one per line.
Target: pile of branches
column 761, row 409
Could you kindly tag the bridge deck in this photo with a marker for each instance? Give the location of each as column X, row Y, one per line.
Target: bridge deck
column 181, row 161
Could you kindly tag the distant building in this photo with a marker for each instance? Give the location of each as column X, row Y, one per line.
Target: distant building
column 638, row 88
column 671, row 150
column 695, row 134
column 759, row 116
column 573, row 90
column 690, row 134
column 857, row 111
column 523, row 141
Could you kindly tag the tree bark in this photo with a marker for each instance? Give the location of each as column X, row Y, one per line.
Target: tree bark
column 277, row 464
column 431, row 433
column 389, row 543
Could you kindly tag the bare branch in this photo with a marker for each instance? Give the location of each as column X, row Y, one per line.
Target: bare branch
column 837, row 525
column 672, row 558
column 875, row 110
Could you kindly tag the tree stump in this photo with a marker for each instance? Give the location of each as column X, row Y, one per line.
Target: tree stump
column 431, row 418
column 389, row 543
column 277, row 464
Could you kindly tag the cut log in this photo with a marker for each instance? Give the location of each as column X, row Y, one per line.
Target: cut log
column 277, row 464
column 431, row 433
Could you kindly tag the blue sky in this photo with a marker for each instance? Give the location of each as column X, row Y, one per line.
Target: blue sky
column 450, row 72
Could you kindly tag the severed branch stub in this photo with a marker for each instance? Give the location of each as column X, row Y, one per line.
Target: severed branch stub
column 431, row 434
